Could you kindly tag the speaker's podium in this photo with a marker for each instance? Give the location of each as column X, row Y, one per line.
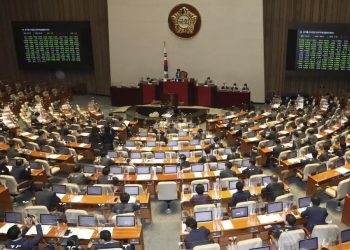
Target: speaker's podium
column 206, row 95
column 183, row 90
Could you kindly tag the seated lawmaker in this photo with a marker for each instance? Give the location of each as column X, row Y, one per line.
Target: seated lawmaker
column 20, row 172
column 216, row 143
column 290, row 225
column 106, row 241
column 252, row 169
column 3, row 165
column 16, row 238
column 196, row 236
column 228, row 172
column 315, row 214
column 200, row 198
column 105, row 178
column 199, row 135
column 46, row 197
column 12, row 151
column 104, row 160
column 208, row 157
column 41, row 140
column 183, row 163
column 77, row 176
column 273, row 189
column 124, row 206
column 241, row 195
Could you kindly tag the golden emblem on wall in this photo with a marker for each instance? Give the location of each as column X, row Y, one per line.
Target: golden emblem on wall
column 184, row 20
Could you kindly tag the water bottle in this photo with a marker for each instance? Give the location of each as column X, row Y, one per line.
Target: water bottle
column 219, row 211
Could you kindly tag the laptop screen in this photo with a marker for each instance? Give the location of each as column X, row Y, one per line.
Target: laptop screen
column 172, row 143
column 131, row 190
column 35, row 165
column 194, row 142
column 170, row 169
column 275, row 207
column 115, row 169
column 48, row 219
column 221, row 165
column 87, row 221
column 245, row 163
column 12, row 217
column 89, row 169
column 59, row 189
column 239, row 212
column 183, row 133
column 94, row 190
column 135, row 155
column 232, row 184
column 266, row 180
column 304, row 202
column 142, row 170
column 125, row 221
column 197, row 167
column 112, row 154
column 203, row 216
column 308, row 244
column 345, row 235
column 151, row 143
column 228, row 151
column 159, row 155
column 186, row 153
column 130, row 143
column 205, row 187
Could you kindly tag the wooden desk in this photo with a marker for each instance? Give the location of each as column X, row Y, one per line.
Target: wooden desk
column 5, row 199
column 248, row 143
column 342, row 246
column 210, row 123
column 346, row 211
column 83, row 149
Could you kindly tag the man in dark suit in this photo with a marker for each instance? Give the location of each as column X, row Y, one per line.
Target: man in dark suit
column 124, row 206
column 105, row 161
column 310, row 160
column 12, row 152
column 289, row 226
column 315, row 214
column 199, row 135
column 172, row 129
column 19, row 171
column 3, row 166
column 183, row 163
column 106, row 241
column 46, row 197
column 41, row 140
column 234, row 154
column 325, row 155
column 196, row 236
column 273, row 134
column 105, row 179
column 252, row 169
column 273, row 189
column 77, row 176
column 208, row 157
column 277, row 149
column 311, row 137
column 296, row 141
column 216, row 143
column 200, row 198
column 240, row 196
column 227, row 172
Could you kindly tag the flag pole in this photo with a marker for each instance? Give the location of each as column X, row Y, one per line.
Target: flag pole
column 165, row 63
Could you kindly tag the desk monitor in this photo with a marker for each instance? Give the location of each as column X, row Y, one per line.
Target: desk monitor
column 48, row 219
column 116, row 170
column 87, row 221
column 339, row 162
column 173, row 143
column 221, row 165
column 170, row 169
column 94, row 190
column 345, row 235
column 194, row 142
column 159, row 155
column 203, row 216
column 131, row 190
column 251, row 134
column 245, row 163
column 13, row 217
column 89, row 169
column 304, row 202
column 142, row 170
column 197, row 167
column 112, row 154
column 292, row 154
column 261, row 248
column 228, row 151
column 186, row 153
column 239, row 212
column 269, row 144
column 266, row 180
column 232, row 184
column 183, row 133
column 275, row 207
column 151, row 143
column 205, row 187
column 35, row 165
column 126, row 221
column 143, row 134
column 308, row 244
column 135, row 155
column 59, row 189
column 130, row 143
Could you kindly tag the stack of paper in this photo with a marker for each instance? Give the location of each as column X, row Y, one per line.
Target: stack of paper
column 198, row 174
column 294, row 160
column 269, row 218
column 82, row 233
column 227, row 224
column 84, row 134
column 54, row 156
column 77, row 198
column 253, row 139
column 32, row 231
column 82, row 144
column 60, row 195
column 5, row 228
column 342, row 170
column 143, row 177
column 183, row 227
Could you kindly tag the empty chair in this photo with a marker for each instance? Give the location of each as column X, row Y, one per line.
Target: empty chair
column 36, row 210
column 73, row 214
column 252, row 205
column 225, row 181
column 196, row 182
column 107, row 189
column 32, row 146
column 248, row 244
column 309, row 169
column 72, row 188
column 256, row 180
column 331, row 163
column 212, row 246
column 204, row 207
column 326, row 234
column 285, row 198
column 15, row 188
column 339, row 192
column 167, row 191
column 212, row 166
column 290, row 240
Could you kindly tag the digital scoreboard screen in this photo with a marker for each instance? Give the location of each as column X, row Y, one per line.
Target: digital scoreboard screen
column 53, row 45
column 318, row 50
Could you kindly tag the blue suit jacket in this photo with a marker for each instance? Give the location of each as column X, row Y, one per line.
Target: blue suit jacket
column 315, row 216
column 198, row 236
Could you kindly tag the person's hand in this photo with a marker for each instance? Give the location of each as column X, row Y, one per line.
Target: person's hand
column 28, row 221
column 34, row 220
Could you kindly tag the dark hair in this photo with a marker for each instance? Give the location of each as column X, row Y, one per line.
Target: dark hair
column 105, row 235
column 207, row 150
column 200, row 130
column 191, row 223
column 19, row 162
column 200, row 189
column 76, row 168
column 291, row 219
column 73, row 241
column 13, row 232
column 182, row 157
column 228, row 165
column 252, row 161
column 296, row 134
column 273, row 128
column 239, row 185
column 316, row 200
column 106, row 170
column 277, row 141
column 124, row 197
column 12, row 143
column 103, row 153
column 314, row 153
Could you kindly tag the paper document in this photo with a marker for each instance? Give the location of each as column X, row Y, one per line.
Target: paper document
column 132, row 199
column 198, row 147
column 82, row 233
column 32, row 231
column 294, row 160
column 227, row 224
column 269, row 218
column 302, row 209
column 175, row 148
column 77, row 198
column 84, row 134
column 143, row 177
column 25, row 134
column 82, row 144
column 110, row 229
column 54, row 156
column 328, row 131
column 183, row 228
column 253, row 139
column 119, row 176
column 217, row 172
column 60, row 196
column 342, row 170
column 198, row 174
